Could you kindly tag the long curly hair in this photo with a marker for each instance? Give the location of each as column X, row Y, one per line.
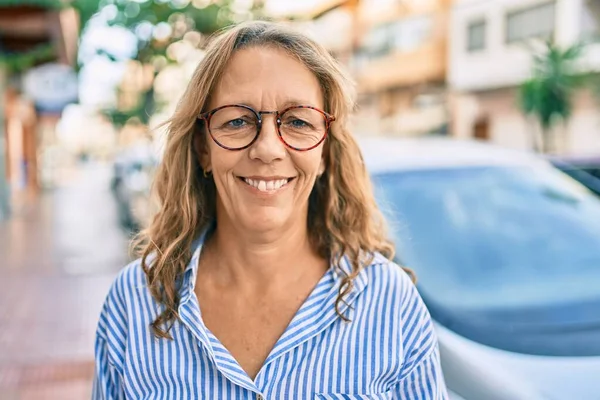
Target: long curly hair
column 343, row 218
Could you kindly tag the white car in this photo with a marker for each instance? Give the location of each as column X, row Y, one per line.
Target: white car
column 507, row 253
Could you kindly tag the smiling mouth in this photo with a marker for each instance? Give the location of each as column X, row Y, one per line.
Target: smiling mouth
column 266, row 185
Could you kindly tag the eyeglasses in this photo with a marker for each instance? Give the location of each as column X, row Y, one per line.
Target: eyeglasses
column 236, row 126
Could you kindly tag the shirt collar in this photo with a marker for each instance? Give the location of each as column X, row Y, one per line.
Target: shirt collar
column 360, row 282
column 189, row 276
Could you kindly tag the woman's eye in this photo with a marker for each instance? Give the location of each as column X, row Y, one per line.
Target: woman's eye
column 237, row 123
column 298, row 123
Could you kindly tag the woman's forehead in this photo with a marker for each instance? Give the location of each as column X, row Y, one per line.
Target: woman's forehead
column 266, row 76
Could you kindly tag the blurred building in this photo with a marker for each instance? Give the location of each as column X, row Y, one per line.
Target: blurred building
column 489, row 59
column 333, row 23
column 397, row 52
column 32, row 34
column 400, row 66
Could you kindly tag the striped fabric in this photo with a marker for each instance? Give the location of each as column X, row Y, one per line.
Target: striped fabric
column 388, row 350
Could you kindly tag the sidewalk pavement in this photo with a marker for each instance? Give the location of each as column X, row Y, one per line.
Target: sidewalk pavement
column 59, row 254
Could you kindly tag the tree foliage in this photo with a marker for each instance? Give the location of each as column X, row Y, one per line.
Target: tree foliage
column 85, row 9
column 548, row 94
column 157, row 24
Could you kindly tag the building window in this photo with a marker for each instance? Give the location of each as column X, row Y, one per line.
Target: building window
column 379, row 41
column 411, row 33
column 476, row 36
column 533, row 22
column 398, row 36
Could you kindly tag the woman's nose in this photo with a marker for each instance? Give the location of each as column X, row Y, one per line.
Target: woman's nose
column 268, row 146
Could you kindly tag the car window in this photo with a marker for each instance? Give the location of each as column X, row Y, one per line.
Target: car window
column 496, row 238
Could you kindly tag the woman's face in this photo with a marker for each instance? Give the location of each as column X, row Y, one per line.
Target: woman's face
column 247, row 181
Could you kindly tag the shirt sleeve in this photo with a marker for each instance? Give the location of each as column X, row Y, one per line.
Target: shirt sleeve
column 421, row 377
column 110, row 345
column 425, row 381
column 107, row 381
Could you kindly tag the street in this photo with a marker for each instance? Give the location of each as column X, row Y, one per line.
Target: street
column 59, row 253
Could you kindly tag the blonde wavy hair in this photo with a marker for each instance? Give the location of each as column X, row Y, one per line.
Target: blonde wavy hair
column 344, row 219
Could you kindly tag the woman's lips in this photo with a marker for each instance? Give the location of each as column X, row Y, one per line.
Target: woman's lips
column 266, row 185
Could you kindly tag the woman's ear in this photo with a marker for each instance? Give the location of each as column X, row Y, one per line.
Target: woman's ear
column 322, row 166
column 201, row 149
column 324, row 157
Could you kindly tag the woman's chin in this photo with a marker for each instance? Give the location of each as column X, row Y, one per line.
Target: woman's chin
column 266, row 221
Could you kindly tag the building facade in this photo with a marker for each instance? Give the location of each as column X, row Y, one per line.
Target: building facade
column 400, row 66
column 397, row 53
column 490, row 55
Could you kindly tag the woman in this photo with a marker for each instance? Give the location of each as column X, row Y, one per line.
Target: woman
column 266, row 273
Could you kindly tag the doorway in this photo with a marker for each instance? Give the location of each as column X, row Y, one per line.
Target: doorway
column 481, row 129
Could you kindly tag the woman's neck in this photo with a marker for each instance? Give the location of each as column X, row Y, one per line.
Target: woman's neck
column 259, row 260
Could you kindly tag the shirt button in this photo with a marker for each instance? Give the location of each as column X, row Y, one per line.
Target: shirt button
column 259, row 397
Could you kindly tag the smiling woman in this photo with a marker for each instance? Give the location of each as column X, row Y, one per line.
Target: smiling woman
column 266, row 273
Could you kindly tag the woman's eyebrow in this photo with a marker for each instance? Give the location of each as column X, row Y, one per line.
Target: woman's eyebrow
column 291, row 102
column 295, row 102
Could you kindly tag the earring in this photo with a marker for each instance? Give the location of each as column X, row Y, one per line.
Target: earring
column 206, row 173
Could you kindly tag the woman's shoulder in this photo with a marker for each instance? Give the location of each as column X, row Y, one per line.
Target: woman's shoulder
column 404, row 308
column 388, row 282
column 129, row 286
column 130, row 278
column 123, row 296
column 383, row 271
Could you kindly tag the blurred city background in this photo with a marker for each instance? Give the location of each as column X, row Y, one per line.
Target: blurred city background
column 84, row 84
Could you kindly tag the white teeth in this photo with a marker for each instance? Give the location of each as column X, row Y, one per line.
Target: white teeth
column 266, row 186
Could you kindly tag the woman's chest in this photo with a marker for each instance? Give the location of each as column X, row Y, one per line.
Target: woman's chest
column 248, row 330
column 336, row 359
column 249, row 323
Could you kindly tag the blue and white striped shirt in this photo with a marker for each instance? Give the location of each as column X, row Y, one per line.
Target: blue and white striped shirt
column 388, row 351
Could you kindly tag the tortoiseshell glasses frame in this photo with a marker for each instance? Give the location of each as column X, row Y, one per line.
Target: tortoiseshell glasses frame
column 328, row 119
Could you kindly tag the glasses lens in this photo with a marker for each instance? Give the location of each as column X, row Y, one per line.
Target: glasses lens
column 303, row 128
column 233, row 127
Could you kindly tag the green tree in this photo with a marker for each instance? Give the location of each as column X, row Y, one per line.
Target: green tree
column 157, row 24
column 548, row 94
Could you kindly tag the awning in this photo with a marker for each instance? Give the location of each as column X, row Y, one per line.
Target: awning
column 36, row 31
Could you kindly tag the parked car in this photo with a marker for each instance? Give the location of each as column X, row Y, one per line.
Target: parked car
column 587, row 163
column 585, row 169
column 506, row 250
